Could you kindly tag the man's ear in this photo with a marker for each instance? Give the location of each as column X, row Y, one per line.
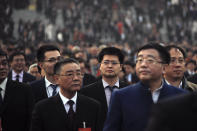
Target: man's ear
column 164, row 68
column 121, row 67
column 56, row 77
column 40, row 64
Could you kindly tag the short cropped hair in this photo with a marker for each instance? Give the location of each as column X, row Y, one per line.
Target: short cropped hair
column 43, row 49
column 2, row 53
column 169, row 47
column 59, row 64
column 163, row 53
column 111, row 51
column 16, row 54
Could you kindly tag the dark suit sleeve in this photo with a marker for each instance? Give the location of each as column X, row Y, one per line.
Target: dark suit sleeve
column 114, row 116
column 98, row 121
column 30, row 104
column 36, row 123
column 159, row 120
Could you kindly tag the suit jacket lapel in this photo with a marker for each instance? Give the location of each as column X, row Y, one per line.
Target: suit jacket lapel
column 43, row 88
column 79, row 110
column 101, row 94
column 60, row 110
column 24, row 77
column 8, row 94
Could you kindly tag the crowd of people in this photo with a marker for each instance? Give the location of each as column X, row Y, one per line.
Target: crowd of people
column 100, row 21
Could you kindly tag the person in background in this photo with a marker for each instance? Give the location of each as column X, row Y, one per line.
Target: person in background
column 174, row 72
column 16, row 100
column 69, row 110
column 130, row 76
column 190, row 66
column 47, row 56
column 193, row 78
column 111, row 60
column 130, row 107
column 33, row 70
column 17, row 62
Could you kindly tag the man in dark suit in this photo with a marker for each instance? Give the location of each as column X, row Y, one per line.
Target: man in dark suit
column 130, row 107
column 111, row 60
column 16, row 100
column 47, row 56
column 175, row 114
column 17, row 62
column 68, row 110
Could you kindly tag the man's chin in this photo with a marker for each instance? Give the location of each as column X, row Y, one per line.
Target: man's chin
column 110, row 76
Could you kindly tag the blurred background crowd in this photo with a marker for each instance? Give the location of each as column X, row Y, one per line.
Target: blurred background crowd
column 81, row 28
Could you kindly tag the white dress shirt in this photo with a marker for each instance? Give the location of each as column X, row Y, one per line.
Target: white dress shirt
column 3, row 87
column 49, row 89
column 107, row 90
column 14, row 74
column 65, row 100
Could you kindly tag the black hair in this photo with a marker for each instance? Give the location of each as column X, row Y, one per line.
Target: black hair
column 2, row 53
column 80, row 60
column 163, row 53
column 16, row 54
column 59, row 64
column 43, row 49
column 129, row 63
column 111, row 51
column 191, row 61
column 169, row 47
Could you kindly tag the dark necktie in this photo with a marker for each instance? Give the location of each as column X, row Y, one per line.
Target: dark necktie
column 17, row 78
column 111, row 88
column 54, row 89
column 71, row 115
column 1, row 99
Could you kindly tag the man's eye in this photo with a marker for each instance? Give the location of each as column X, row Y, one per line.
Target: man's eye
column 69, row 74
column 173, row 60
column 106, row 62
column 150, row 61
column 139, row 60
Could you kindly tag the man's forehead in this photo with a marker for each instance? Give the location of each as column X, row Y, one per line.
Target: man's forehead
column 71, row 66
column 16, row 56
column 175, row 52
column 3, row 58
column 148, row 53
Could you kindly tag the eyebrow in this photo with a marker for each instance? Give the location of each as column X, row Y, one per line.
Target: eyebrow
column 69, row 71
column 147, row 56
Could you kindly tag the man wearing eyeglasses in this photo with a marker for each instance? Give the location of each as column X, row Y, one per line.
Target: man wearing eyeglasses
column 130, row 107
column 174, row 72
column 111, row 60
column 69, row 110
column 47, row 56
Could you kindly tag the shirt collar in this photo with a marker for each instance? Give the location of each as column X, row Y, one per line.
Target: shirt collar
column 14, row 74
column 3, row 84
column 158, row 89
column 105, row 84
column 65, row 99
column 47, row 82
column 180, row 85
